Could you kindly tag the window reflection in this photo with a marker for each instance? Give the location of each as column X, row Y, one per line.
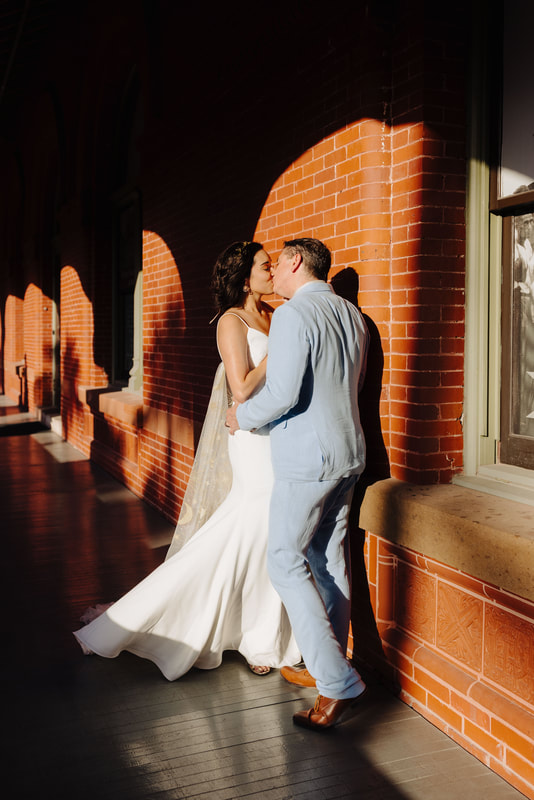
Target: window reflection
column 523, row 327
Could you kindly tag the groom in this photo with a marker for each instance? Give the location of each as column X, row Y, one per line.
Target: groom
column 317, row 352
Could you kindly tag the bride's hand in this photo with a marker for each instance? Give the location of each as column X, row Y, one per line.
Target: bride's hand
column 231, row 418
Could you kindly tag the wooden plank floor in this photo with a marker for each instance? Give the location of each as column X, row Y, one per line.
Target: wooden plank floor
column 76, row 727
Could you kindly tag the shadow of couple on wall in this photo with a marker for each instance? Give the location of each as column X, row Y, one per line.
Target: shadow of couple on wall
column 367, row 645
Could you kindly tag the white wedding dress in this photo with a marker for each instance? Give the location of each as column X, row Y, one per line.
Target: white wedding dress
column 213, row 594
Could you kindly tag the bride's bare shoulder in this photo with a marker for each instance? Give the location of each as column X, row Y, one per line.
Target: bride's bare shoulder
column 231, row 326
column 231, row 318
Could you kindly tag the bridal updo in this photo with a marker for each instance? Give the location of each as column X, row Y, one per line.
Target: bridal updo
column 230, row 273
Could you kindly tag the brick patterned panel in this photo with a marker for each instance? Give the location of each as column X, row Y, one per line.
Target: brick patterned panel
column 416, row 602
column 509, row 652
column 481, row 635
column 459, row 625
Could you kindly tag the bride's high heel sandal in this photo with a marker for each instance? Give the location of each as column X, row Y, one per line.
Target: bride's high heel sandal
column 257, row 670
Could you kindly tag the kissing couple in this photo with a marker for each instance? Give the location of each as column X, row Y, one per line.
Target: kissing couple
column 266, row 570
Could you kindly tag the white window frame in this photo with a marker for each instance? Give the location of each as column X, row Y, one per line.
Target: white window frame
column 481, row 416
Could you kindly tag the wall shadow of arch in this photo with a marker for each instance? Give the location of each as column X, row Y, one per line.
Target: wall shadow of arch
column 170, row 356
column 70, row 371
column 22, row 375
column 2, row 343
column 367, row 643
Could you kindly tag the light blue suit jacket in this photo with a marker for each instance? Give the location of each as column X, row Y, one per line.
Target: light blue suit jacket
column 317, row 353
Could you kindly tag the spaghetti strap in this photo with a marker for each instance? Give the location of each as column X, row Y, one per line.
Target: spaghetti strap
column 235, row 315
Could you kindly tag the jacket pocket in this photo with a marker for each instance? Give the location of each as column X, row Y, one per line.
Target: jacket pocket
column 297, row 452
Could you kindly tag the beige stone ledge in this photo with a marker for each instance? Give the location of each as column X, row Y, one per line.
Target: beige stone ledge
column 169, row 426
column 128, row 408
column 86, row 395
column 490, row 538
column 120, row 405
column 123, row 406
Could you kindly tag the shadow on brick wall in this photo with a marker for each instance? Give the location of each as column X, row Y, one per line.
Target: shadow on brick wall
column 346, row 284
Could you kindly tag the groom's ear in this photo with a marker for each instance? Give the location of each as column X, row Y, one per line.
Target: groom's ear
column 297, row 261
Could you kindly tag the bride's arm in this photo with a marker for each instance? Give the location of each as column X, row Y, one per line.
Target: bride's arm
column 233, row 347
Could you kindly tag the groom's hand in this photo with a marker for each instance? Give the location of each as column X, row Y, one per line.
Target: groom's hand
column 231, row 419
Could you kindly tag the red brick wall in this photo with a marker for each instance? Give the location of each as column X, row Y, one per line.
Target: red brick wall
column 28, row 343
column 37, row 329
column 412, row 290
column 340, row 191
column 13, row 346
column 78, row 369
column 164, row 324
column 164, row 462
column 428, row 246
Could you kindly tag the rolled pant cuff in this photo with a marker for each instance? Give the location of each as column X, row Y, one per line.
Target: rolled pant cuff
column 355, row 690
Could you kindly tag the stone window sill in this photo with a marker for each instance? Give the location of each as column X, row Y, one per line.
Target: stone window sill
column 502, row 480
column 123, row 406
column 127, row 407
column 483, row 535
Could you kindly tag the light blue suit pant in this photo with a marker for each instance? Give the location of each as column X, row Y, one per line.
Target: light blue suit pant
column 309, row 566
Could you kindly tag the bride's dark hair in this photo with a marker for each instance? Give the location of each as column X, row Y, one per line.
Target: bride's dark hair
column 231, row 270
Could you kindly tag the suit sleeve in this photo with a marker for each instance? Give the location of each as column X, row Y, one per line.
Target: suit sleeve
column 288, row 357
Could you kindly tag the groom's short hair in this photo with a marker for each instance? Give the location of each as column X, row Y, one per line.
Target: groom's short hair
column 316, row 256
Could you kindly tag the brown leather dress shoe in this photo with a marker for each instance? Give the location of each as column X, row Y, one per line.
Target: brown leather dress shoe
column 326, row 712
column 298, row 676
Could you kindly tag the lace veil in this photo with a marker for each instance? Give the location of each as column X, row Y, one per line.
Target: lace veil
column 211, row 475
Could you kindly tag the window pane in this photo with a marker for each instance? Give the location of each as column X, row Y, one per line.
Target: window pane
column 517, row 155
column 522, row 422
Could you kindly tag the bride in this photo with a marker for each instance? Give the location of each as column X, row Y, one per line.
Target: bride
column 212, row 593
